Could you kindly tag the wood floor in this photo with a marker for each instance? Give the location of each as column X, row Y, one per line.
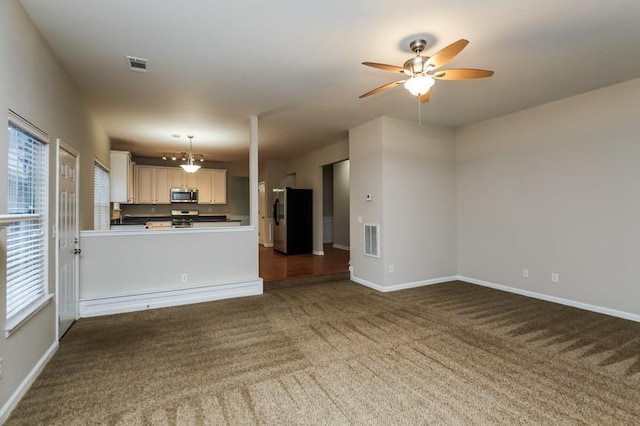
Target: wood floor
column 275, row 266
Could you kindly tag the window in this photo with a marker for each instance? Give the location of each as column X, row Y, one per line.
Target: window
column 27, row 286
column 100, row 197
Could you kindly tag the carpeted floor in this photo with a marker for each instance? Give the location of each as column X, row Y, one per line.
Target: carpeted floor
column 339, row 353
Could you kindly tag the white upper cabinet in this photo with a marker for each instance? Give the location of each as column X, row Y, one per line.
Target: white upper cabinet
column 120, row 177
column 212, row 186
column 153, row 184
column 177, row 177
column 219, row 184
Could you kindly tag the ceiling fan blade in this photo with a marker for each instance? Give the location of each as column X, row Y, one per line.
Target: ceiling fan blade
column 448, row 53
column 381, row 88
column 425, row 98
column 385, row 67
column 461, row 74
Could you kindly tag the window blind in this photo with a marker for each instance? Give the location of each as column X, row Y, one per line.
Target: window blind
column 26, row 243
column 101, row 217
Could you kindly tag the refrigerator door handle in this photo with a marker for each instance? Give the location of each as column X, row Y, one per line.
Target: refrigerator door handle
column 276, row 211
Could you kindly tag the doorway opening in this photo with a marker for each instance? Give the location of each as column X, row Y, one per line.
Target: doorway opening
column 333, row 183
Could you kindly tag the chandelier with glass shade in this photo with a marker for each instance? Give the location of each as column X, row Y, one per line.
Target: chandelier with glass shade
column 190, row 167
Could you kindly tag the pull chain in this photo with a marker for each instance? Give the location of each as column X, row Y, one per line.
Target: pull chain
column 419, row 113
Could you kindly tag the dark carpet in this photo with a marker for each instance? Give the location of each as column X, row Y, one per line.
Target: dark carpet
column 339, row 353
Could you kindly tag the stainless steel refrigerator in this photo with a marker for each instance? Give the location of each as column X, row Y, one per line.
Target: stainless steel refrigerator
column 293, row 220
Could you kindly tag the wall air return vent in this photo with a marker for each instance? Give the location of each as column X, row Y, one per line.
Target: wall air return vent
column 372, row 239
column 137, row 64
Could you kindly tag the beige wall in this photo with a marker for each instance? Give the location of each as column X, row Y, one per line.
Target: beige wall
column 410, row 173
column 365, row 177
column 34, row 85
column 341, row 203
column 308, row 172
column 555, row 189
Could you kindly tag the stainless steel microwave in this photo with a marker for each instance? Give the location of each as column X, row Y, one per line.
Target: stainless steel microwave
column 184, row 195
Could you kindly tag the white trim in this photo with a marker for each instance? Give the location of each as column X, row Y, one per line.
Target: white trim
column 163, row 299
column 267, row 245
column 568, row 302
column 62, row 145
column 341, row 247
column 20, row 121
column 22, row 389
column 402, row 286
column 28, row 313
column 8, row 219
column 318, row 252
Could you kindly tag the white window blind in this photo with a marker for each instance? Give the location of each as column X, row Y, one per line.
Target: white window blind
column 101, row 217
column 26, row 242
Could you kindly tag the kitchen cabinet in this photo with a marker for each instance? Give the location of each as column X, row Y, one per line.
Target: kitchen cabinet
column 177, row 177
column 203, row 184
column 153, row 184
column 121, row 177
column 181, row 179
column 219, row 184
column 191, row 179
column 212, row 186
column 163, row 185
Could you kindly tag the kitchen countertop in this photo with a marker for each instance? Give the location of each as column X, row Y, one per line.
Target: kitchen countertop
column 141, row 220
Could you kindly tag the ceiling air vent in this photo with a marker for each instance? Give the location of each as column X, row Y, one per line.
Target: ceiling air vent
column 137, row 64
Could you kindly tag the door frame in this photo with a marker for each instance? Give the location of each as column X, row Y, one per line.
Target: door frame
column 61, row 145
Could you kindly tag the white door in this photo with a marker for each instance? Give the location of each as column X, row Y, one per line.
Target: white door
column 68, row 233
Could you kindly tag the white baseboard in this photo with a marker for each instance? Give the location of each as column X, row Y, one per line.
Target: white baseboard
column 568, row 302
column 267, row 245
column 402, row 286
column 15, row 398
column 163, row 299
column 318, row 252
column 341, row 247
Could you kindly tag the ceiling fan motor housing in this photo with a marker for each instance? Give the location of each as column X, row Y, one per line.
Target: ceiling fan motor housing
column 416, row 65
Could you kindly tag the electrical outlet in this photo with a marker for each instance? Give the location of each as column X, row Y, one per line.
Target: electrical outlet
column 554, row 277
column 184, row 278
column 153, row 209
column 392, row 269
column 525, row 273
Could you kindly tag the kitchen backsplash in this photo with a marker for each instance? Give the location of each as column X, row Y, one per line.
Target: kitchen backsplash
column 165, row 209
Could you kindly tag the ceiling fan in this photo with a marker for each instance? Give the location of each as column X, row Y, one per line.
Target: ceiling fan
column 424, row 70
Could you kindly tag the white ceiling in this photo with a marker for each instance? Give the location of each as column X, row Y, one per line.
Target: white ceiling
column 297, row 64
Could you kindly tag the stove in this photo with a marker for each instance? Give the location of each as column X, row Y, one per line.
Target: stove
column 183, row 218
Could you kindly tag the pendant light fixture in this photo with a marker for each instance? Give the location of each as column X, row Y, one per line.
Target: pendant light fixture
column 190, row 167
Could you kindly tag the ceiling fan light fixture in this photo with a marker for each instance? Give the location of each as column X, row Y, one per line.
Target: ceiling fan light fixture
column 419, row 84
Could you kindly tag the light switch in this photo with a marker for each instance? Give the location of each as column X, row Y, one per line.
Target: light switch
column 359, row 219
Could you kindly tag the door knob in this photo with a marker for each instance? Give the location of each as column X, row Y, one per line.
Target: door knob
column 77, row 251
